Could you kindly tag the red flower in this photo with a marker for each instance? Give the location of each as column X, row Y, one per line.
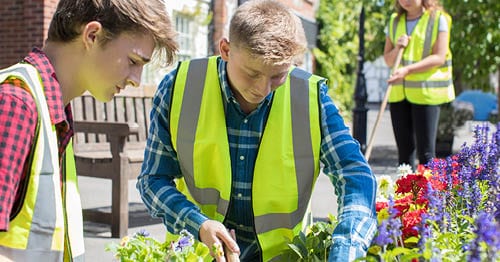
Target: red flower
column 381, row 205
column 438, row 180
column 410, row 221
column 403, row 204
column 421, row 200
column 437, row 183
column 411, row 183
column 421, row 169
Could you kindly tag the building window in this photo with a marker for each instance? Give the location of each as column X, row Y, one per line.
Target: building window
column 183, row 25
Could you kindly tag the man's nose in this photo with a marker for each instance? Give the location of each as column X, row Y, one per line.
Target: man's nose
column 265, row 85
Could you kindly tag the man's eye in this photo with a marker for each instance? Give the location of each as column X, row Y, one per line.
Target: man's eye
column 253, row 75
column 132, row 61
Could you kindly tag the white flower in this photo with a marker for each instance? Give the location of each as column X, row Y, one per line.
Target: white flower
column 404, row 169
column 385, row 187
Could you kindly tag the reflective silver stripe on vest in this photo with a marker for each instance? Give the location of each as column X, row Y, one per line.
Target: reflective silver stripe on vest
column 32, row 255
column 447, row 63
column 428, row 84
column 191, row 103
column 394, row 27
column 44, row 217
column 428, row 36
column 304, row 158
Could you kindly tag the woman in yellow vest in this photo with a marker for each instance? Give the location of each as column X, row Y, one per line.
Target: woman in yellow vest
column 236, row 142
column 93, row 45
column 423, row 81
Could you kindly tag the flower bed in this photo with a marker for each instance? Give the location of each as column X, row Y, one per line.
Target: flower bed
column 142, row 247
column 448, row 210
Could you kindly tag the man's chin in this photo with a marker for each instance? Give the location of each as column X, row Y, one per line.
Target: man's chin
column 103, row 97
column 255, row 100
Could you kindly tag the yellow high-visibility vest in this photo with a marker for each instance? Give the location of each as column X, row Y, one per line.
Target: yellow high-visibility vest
column 435, row 86
column 49, row 225
column 287, row 163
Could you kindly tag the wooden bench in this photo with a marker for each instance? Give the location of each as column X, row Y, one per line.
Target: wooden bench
column 109, row 143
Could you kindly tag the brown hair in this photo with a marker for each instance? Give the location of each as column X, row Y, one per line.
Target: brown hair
column 429, row 5
column 268, row 30
column 116, row 17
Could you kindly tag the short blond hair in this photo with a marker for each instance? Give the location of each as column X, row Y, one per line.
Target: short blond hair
column 269, row 30
column 117, row 17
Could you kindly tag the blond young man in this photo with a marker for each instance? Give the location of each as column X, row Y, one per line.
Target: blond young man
column 99, row 46
column 236, row 143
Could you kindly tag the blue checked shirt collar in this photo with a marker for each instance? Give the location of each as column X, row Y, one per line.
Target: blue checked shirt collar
column 226, row 89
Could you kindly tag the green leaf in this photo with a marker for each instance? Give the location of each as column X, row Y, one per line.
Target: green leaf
column 297, row 250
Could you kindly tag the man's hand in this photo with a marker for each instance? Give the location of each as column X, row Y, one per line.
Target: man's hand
column 215, row 235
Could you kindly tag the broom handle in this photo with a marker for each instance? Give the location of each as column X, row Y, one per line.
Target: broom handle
column 382, row 107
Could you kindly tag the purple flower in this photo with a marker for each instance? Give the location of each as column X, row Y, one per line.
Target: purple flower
column 185, row 240
column 436, row 210
column 487, row 231
column 425, row 232
column 142, row 233
column 389, row 231
column 383, row 237
column 435, row 213
column 470, row 192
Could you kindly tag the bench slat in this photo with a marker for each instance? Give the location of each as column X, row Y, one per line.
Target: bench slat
column 109, row 143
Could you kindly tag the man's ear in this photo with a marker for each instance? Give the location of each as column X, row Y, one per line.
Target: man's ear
column 91, row 33
column 224, row 48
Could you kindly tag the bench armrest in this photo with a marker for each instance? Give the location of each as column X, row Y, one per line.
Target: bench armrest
column 108, row 128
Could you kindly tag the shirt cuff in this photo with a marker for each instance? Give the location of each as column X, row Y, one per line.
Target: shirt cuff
column 352, row 237
column 194, row 221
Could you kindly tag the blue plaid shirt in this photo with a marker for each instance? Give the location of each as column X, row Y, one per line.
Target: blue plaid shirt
column 343, row 163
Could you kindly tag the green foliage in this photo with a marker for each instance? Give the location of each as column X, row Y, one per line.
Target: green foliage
column 337, row 49
column 198, row 14
column 475, row 21
column 313, row 246
column 142, row 247
column 475, row 35
column 377, row 16
column 138, row 248
column 338, row 45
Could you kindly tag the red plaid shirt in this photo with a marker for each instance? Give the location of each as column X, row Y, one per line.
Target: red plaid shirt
column 18, row 120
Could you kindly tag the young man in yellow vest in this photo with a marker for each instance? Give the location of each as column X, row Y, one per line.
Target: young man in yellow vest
column 97, row 46
column 424, row 79
column 237, row 140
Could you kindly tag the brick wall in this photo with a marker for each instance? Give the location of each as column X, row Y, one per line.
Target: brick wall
column 219, row 22
column 23, row 25
column 223, row 10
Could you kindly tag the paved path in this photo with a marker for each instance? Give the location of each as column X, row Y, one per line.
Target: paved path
column 96, row 192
